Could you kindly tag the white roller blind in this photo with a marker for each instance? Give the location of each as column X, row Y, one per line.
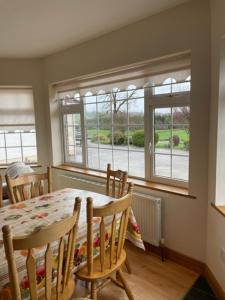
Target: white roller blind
column 16, row 107
column 180, row 80
column 179, row 76
column 138, row 74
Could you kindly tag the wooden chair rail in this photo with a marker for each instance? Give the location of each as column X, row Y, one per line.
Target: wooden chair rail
column 28, row 185
column 111, row 257
column 116, row 180
column 54, row 232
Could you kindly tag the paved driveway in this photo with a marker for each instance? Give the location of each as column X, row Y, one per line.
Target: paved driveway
column 133, row 160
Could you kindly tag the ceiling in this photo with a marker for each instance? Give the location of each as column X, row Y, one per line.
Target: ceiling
column 37, row 28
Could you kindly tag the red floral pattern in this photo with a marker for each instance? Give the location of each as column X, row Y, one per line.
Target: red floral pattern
column 34, row 215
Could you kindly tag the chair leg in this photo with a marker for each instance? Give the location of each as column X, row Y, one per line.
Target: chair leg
column 126, row 287
column 128, row 267
column 94, row 290
column 87, row 284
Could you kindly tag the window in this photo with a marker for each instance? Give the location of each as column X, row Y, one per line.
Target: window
column 170, row 115
column 111, row 119
column 73, row 137
column 144, row 130
column 171, row 145
column 17, row 126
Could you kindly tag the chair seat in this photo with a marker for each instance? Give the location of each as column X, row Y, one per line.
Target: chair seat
column 83, row 272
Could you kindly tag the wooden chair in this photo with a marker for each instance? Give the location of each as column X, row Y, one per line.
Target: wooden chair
column 111, row 258
column 1, row 192
column 115, row 187
column 65, row 283
column 28, row 185
column 116, row 182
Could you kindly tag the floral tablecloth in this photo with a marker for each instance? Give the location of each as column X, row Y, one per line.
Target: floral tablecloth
column 39, row 212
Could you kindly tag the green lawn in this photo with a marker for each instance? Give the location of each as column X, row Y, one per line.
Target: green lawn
column 93, row 132
column 164, row 136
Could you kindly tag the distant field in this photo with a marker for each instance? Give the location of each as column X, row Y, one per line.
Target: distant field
column 164, row 136
column 93, row 132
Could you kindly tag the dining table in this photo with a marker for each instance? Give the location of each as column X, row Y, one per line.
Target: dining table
column 32, row 215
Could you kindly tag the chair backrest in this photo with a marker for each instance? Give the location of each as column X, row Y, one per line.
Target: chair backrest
column 120, row 207
column 116, row 182
column 55, row 232
column 29, row 185
column 1, row 192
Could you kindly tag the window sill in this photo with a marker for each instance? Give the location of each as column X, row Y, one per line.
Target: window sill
column 138, row 182
column 219, row 208
column 31, row 165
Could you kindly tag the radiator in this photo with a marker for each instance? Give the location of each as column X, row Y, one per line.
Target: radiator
column 147, row 208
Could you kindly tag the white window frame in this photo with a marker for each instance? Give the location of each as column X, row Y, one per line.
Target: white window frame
column 21, row 146
column 177, row 99
column 77, row 108
column 162, row 101
column 127, row 125
column 19, row 131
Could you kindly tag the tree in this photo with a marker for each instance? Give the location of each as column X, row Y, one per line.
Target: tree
column 116, row 97
column 181, row 115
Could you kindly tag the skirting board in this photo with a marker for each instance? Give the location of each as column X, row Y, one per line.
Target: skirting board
column 181, row 259
column 217, row 289
column 190, row 263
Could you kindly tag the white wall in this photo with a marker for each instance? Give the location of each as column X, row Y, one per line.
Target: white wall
column 216, row 222
column 28, row 72
column 184, row 27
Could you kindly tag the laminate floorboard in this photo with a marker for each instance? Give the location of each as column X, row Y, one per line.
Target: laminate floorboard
column 151, row 279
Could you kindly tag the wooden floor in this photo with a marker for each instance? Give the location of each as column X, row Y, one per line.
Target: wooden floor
column 151, row 279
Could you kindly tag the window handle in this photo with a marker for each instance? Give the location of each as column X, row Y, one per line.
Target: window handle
column 150, row 148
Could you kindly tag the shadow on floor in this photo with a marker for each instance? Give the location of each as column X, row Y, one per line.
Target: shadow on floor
column 200, row 291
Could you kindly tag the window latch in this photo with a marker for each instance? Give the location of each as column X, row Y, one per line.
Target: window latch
column 150, row 148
